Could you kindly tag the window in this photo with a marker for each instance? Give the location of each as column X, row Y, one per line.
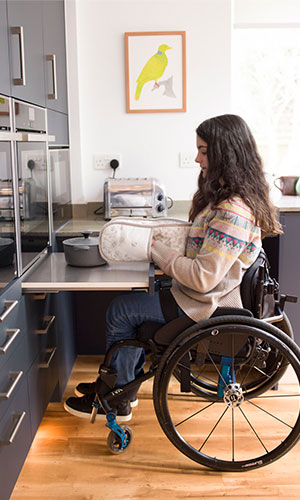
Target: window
column 266, row 93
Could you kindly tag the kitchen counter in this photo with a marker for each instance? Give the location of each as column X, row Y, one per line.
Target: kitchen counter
column 53, row 274
column 288, row 204
column 93, row 223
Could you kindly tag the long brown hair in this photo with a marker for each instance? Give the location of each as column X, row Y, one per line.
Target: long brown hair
column 233, row 157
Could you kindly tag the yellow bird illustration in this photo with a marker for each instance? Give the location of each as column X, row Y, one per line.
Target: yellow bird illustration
column 153, row 69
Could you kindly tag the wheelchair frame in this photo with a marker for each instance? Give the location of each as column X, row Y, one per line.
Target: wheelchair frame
column 229, row 362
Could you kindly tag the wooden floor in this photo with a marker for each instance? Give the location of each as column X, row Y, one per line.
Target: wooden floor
column 69, row 460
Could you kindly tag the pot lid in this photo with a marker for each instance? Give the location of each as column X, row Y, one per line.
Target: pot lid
column 4, row 242
column 84, row 240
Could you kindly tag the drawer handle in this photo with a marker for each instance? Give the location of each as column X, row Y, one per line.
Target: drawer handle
column 49, row 320
column 19, row 419
column 9, row 305
column 12, row 335
column 18, row 30
column 50, row 353
column 15, row 377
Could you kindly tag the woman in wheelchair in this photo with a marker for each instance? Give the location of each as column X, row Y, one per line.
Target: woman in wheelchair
column 230, row 213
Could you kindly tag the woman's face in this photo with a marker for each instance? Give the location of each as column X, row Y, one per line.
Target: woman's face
column 201, row 157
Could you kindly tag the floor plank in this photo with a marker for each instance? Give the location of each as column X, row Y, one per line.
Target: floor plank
column 69, row 460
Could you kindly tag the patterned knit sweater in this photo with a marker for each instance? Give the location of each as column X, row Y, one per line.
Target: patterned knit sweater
column 223, row 242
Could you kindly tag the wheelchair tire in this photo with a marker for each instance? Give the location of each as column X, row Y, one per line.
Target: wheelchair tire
column 242, row 430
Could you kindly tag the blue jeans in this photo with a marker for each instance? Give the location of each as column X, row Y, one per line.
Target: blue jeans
column 124, row 315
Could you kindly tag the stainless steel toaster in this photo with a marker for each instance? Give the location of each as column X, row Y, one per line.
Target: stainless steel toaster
column 141, row 197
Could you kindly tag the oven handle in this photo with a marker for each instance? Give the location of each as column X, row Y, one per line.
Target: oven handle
column 11, row 136
column 26, row 137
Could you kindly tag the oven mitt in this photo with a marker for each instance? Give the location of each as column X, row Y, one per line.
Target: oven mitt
column 124, row 239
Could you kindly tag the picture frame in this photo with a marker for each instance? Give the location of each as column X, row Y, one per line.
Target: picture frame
column 155, row 65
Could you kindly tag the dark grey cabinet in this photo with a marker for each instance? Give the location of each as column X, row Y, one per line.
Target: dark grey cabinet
column 289, row 268
column 15, row 433
column 63, row 306
column 37, row 354
column 25, row 25
column 55, row 55
column 33, row 52
column 15, row 426
column 4, row 55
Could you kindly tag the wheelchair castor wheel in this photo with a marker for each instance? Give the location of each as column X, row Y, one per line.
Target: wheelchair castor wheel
column 115, row 442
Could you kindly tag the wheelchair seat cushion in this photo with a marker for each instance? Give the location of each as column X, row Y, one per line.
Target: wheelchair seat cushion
column 165, row 334
column 127, row 239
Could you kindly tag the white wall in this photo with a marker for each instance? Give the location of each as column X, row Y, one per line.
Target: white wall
column 149, row 143
column 267, row 11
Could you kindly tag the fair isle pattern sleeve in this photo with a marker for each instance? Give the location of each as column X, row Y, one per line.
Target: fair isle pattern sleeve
column 219, row 236
column 232, row 231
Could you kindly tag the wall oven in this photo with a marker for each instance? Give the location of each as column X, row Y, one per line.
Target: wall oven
column 24, row 183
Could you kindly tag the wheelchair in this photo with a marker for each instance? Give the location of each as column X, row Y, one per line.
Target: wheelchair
column 216, row 389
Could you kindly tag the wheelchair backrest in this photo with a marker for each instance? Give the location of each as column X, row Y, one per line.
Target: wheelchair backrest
column 258, row 289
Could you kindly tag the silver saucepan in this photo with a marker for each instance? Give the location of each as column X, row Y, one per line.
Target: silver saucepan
column 83, row 251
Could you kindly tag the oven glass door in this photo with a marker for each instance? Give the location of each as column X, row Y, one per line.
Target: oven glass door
column 33, row 199
column 8, row 266
column 61, row 186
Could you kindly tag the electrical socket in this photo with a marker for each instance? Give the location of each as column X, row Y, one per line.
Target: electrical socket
column 101, row 161
column 187, row 160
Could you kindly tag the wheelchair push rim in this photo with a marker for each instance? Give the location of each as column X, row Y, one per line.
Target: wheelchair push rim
column 238, row 431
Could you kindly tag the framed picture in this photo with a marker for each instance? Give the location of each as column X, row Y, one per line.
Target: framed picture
column 155, row 72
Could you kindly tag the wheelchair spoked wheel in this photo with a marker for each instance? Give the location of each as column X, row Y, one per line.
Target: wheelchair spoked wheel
column 260, row 354
column 238, row 431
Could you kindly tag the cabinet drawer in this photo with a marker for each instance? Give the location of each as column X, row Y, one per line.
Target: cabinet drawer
column 12, row 330
column 12, row 374
column 15, row 439
column 42, row 380
column 10, row 301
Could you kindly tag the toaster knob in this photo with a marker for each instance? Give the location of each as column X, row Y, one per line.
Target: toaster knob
column 160, row 196
column 160, row 207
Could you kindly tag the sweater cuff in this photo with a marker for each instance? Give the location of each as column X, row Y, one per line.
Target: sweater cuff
column 161, row 254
